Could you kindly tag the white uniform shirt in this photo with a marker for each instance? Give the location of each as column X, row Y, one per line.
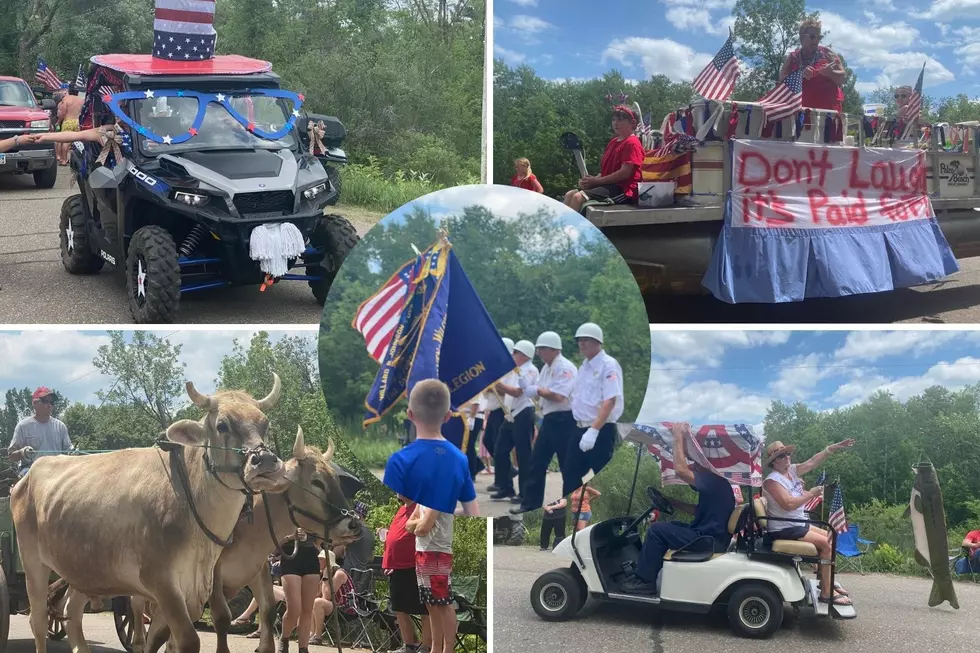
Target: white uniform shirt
column 493, row 401
column 527, row 376
column 598, row 379
column 558, row 377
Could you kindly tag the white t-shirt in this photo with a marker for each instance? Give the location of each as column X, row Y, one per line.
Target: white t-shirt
column 527, row 376
column 440, row 538
column 48, row 438
column 558, row 377
column 793, row 485
column 599, row 378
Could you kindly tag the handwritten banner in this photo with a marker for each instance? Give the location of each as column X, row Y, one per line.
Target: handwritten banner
column 800, row 186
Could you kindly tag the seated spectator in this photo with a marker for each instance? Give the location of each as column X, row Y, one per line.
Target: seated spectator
column 619, row 169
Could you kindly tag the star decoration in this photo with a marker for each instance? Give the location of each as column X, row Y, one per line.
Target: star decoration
column 221, row 97
column 70, row 233
column 105, row 99
column 140, row 281
column 178, row 48
column 202, row 41
column 296, row 113
column 167, row 140
column 187, row 56
column 170, row 54
column 301, row 98
column 180, row 94
column 251, row 126
column 171, row 39
column 188, row 40
column 148, row 94
column 164, row 46
column 195, row 48
column 192, row 131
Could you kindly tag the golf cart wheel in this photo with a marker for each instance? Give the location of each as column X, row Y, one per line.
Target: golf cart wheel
column 76, row 249
column 333, row 174
column 337, row 237
column 153, row 276
column 46, row 178
column 558, row 595
column 755, row 611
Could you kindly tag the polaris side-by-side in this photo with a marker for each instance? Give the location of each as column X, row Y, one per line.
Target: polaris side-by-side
column 210, row 152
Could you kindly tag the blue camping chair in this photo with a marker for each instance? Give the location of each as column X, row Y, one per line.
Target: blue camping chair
column 851, row 547
column 960, row 564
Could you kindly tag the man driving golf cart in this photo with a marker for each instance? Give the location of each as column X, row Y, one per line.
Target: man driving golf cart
column 708, row 531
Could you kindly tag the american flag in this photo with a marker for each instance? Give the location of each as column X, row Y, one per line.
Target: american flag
column 784, row 100
column 47, row 76
column 183, row 30
column 910, row 112
column 80, row 78
column 717, row 80
column 105, row 91
column 837, row 519
column 377, row 318
column 815, row 501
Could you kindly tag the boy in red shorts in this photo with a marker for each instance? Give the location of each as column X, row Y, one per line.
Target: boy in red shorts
column 434, row 566
column 403, row 587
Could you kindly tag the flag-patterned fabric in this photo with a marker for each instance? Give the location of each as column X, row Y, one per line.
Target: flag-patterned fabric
column 183, row 30
column 47, row 77
column 837, row 518
column 813, row 503
column 785, row 100
column 737, row 491
column 377, row 318
column 80, row 78
column 717, row 80
column 910, row 112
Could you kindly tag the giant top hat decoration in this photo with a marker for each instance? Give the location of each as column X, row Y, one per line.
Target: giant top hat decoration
column 183, row 30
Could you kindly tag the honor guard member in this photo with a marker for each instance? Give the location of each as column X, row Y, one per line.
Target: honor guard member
column 495, row 421
column 521, row 431
column 553, row 390
column 597, row 403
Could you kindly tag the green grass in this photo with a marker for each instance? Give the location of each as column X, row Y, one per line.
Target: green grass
column 370, row 447
column 369, row 187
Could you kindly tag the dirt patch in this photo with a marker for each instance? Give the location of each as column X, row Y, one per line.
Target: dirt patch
column 362, row 219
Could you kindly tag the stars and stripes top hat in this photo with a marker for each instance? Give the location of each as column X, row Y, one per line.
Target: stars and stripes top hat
column 183, row 30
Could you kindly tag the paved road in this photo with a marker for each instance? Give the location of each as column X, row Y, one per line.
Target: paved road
column 955, row 300
column 100, row 632
column 36, row 289
column 892, row 616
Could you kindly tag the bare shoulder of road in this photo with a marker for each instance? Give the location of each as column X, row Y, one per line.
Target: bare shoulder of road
column 36, row 289
column 893, row 616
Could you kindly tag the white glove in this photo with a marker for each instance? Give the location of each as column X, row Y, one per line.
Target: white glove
column 28, row 451
column 588, row 439
column 531, row 392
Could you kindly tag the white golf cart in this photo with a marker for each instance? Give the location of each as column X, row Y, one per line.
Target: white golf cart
column 754, row 578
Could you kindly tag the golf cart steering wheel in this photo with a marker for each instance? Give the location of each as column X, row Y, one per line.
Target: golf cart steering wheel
column 660, row 501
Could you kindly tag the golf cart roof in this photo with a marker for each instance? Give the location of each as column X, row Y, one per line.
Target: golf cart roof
column 146, row 64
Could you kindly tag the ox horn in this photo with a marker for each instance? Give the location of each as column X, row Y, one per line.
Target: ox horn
column 328, row 455
column 202, row 401
column 269, row 402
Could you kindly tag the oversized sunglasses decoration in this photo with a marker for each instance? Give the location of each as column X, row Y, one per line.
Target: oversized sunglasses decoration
column 203, row 100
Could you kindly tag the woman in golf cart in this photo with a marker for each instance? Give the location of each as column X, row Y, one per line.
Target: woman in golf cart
column 785, row 497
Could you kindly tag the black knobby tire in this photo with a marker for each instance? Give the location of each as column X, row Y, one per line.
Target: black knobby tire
column 46, row 178
column 337, row 237
column 755, row 611
column 333, row 174
column 558, row 595
column 4, row 612
column 76, row 245
column 152, row 249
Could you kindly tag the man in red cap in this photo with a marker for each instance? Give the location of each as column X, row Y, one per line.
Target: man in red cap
column 619, row 170
column 39, row 435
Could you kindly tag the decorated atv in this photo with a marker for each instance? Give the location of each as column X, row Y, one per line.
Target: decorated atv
column 206, row 180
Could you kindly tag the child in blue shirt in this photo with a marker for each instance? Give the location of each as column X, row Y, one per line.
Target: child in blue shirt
column 431, row 470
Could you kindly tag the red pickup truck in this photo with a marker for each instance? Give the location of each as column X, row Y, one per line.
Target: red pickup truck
column 20, row 113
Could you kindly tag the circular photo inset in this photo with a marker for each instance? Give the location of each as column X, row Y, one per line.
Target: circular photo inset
column 478, row 348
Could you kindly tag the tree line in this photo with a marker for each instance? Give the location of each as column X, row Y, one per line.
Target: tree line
column 404, row 76
column 530, row 113
column 531, row 275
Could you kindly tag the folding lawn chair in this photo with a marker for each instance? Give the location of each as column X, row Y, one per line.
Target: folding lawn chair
column 961, row 565
column 851, row 548
column 472, row 619
column 362, row 622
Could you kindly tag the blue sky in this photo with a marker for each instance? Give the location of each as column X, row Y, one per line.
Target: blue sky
column 62, row 360
column 733, row 376
column 885, row 41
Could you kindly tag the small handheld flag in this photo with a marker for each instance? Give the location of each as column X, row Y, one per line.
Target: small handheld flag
column 784, row 100
column 817, row 500
column 837, row 518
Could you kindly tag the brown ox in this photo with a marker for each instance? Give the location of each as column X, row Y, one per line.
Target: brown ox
column 143, row 521
column 314, row 501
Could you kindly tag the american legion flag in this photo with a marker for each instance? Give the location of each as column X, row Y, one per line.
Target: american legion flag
column 910, row 112
column 812, row 504
column 717, row 80
column 47, row 76
column 377, row 317
column 837, row 519
column 183, row 30
column 785, row 100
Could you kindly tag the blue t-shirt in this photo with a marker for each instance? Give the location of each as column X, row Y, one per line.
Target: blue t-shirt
column 716, row 501
column 433, row 473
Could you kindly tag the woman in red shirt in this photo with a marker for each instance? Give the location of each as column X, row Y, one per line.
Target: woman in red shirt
column 524, row 178
column 823, row 72
column 619, row 170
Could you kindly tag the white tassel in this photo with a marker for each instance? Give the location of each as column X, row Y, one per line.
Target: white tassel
column 272, row 245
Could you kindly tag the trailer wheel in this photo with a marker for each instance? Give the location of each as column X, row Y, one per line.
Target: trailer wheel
column 557, row 595
column 755, row 611
column 122, row 615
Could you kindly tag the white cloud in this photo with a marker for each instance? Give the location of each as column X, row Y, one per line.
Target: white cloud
column 669, row 397
column 953, row 376
column 527, row 23
column 951, row 10
column 884, row 4
column 525, row 3
column 510, row 57
column 695, row 15
column 799, row 375
column 658, row 57
column 873, row 345
column 708, row 347
column 943, row 28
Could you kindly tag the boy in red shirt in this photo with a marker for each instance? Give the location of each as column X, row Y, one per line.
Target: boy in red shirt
column 972, row 544
column 403, row 589
column 619, row 170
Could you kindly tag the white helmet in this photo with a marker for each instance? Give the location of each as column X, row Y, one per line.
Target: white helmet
column 589, row 330
column 525, row 347
column 549, row 339
column 509, row 344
